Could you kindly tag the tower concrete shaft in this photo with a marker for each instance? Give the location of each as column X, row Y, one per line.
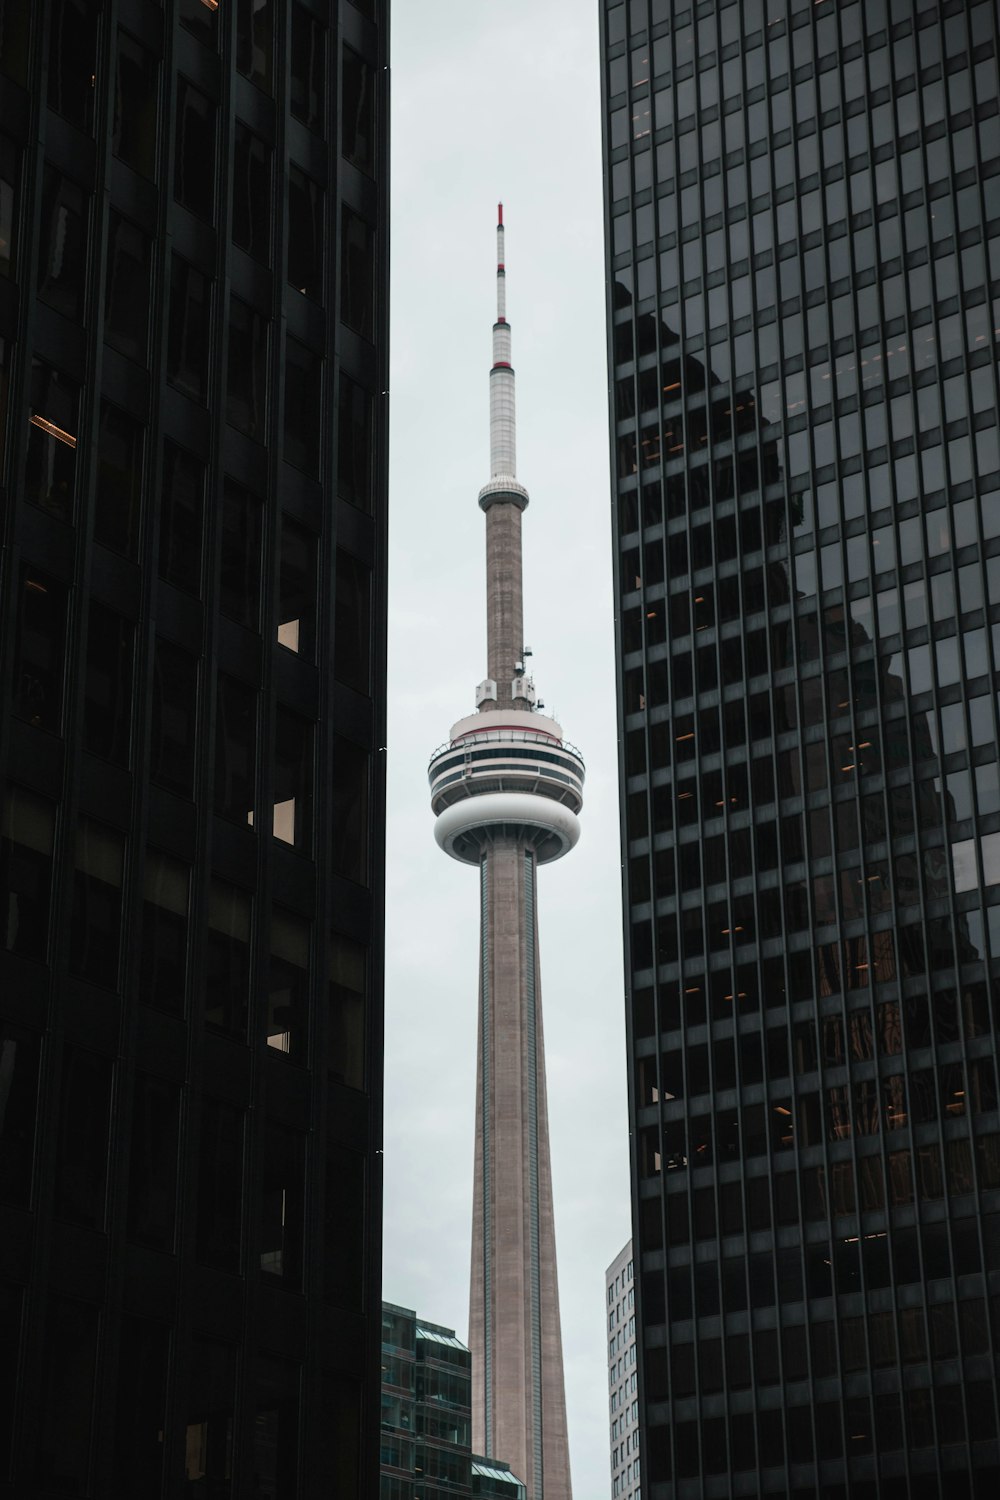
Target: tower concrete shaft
column 507, row 791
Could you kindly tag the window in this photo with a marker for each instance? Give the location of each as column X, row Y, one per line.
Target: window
column 50, row 465
column 308, row 67
column 354, row 444
column 66, row 1404
column 293, row 780
column 358, row 111
column 357, row 274
column 141, row 1406
column 343, row 1228
column 181, row 518
column 133, row 137
column 305, row 234
column 352, row 631
column 235, row 751
column 282, row 1182
column 252, row 194
column 95, row 934
column 9, row 173
column 297, row 598
column 73, row 60
column 28, row 835
column 15, row 36
column 276, row 1429
column 199, row 18
column 84, row 1123
column 194, row 151
column 175, row 699
column 240, row 542
column 187, row 331
column 19, row 1057
column 255, row 40
column 107, row 706
column 126, row 293
column 246, row 376
column 209, row 1407
column 227, row 977
column 117, row 501
column 62, row 244
column 220, row 1186
column 288, row 985
column 347, row 1001
column 349, row 809
column 303, row 406
column 152, row 1178
column 41, row 650
column 164, row 933
column 11, row 1312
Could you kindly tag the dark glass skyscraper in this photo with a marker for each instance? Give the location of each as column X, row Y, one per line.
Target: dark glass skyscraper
column 803, row 221
column 193, row 303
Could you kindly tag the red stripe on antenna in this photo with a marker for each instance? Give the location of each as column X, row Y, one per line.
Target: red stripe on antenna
column 499, row 213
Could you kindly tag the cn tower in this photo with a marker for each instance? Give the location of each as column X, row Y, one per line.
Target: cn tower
column 507, row 790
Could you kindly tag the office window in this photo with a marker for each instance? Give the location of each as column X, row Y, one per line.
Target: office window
column 152, row 1176
column 194, row 151
column 235, row 750
column 133, row 132
column 9, row 174
column 107, row 706
column 199, row 17
column 352, row 630
column 73, row 26
column 255, row 41
column 308, row 67
column 118, row 496
column 188, row 329
column 281, row 1179
column 297, row 590
column 220, row 1186
column 181, row 518
column 288, row 986
column 175, row 701
column 227, row 976
column 252, row 194
column 84, row 1122
column 164, row 933
column 355, row 414
column 126, row 292
column 50, row 464
column 276, row 1429
column 349, row 809
column 293, row 780
column 303, row 406
column 15, row 39
column 246, row 375
column 66, row 1407
column 41, row 651
column 343, row 1228
column 62, row 244
column 141, row 1407
column 95, row 928
column 19, row 1059
column 239, row 582
column 11, row 1313
column 358, row 111
column 208, row 1406
column 347, row 1008
column 357, row 273
column 305, row 234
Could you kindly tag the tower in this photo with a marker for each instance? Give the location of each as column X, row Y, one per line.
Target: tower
column 506, row 791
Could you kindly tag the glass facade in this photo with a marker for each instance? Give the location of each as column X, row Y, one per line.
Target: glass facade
column 426, row 1410
column 193, row 459
column 803, row 240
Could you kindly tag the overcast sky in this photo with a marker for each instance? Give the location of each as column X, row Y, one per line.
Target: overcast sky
column 497, row 102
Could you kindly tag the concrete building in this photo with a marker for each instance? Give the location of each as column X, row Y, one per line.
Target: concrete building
column 623, row 1400
column 803, row 268
column 506, row 790
column 193, row 462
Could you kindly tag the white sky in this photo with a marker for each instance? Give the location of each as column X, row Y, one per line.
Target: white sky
column 489, row 102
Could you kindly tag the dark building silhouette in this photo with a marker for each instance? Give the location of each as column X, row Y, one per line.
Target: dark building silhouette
column 193, row 299
column 803, row 228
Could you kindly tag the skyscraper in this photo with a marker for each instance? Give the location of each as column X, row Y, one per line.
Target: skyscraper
column 193, row 288
column 803, row 229
column 623, row 1403
column 506, row 790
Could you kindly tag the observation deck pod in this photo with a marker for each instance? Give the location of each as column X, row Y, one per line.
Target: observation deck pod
column 506, row 774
